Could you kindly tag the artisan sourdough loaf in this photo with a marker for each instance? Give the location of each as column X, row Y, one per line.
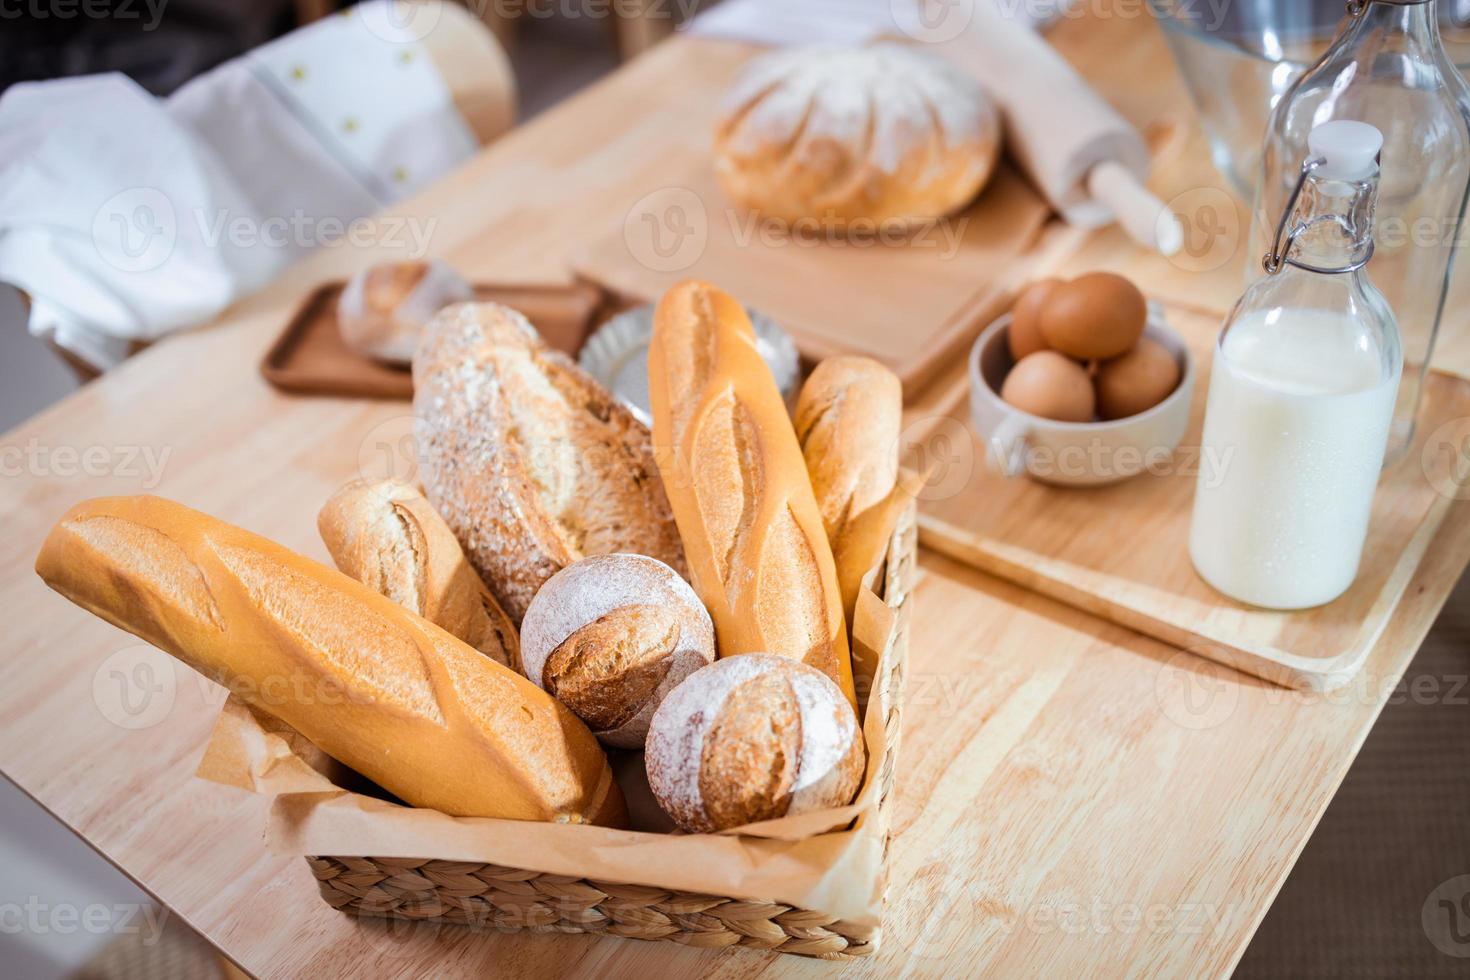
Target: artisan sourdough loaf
column 758, row 554
column 386, row 535
column 854, row 137
column 848, row 419
column 611, row 636
column 752, row 738
column 386, row 692
column 530, row 461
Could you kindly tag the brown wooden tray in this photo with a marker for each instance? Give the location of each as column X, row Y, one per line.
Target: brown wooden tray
column 309, row 358
column 1120, row 551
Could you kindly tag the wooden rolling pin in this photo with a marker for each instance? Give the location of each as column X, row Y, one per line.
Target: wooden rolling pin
column 1087, row 160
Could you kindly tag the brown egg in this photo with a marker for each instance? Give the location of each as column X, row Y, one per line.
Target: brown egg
column 1049, row 385
column 1136, row 381
column 1098, row 315
column 1023, row 336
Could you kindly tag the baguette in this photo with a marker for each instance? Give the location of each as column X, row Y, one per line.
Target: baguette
column 758, row 555
column 374, row 686
column 384, row 534
column 530, row 461
column 847, row 420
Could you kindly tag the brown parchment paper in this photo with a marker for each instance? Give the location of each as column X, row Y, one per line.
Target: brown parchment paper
column 830, row 861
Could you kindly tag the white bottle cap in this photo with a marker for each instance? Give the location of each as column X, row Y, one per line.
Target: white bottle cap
column 1348, row 148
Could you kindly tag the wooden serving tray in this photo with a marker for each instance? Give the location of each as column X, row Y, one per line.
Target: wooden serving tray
column 913, row 304
column 309, row 358
column 1120, row 551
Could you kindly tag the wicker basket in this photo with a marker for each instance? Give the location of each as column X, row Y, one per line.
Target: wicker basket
column 495, row 897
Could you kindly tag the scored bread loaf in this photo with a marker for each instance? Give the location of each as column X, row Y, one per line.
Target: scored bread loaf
column 752, row 738
column 855, row 138
column 611, row 636
column 847, row 420
column 530, row 461
column 758, row 555
column 386, row 535
column 376, row 687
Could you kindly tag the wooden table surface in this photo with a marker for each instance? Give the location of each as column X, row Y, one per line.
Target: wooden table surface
column 1073, row 798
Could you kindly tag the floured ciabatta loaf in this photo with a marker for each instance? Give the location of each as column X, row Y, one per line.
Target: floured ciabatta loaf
column 611, row 636
column 752, row 738
column 851, row 136
column 531, row 462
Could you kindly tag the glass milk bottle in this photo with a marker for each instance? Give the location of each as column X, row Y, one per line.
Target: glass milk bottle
column 1388, row 67
column 1301, row 394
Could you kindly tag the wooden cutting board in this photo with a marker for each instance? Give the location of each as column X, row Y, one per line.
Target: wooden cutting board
column 912, row 303
column 1120, row 551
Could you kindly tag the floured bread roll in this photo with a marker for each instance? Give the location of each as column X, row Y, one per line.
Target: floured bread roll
column 753, row 738
column 884, row 134
column 610, row 637
column 384, row 308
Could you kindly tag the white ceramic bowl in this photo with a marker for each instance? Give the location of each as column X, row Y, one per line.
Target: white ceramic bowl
column 1074, row 454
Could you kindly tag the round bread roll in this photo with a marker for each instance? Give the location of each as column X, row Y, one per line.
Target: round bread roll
column 610, row 636
column 753, row 738
column 853, row 137
column 384, row 308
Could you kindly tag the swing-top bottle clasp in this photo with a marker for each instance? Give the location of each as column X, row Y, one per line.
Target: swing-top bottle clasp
column 1343, row 154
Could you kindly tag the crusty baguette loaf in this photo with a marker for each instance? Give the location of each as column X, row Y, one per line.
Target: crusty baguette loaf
column 847, row 420
column 374, row 686
column 528, row 459
column 758, row 555
column 386, row 535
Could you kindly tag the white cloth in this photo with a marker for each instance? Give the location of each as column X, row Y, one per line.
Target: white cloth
column 783, row 23
column 126, row 217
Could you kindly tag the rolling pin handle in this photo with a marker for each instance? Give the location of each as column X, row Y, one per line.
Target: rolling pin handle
column 1146, row 219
